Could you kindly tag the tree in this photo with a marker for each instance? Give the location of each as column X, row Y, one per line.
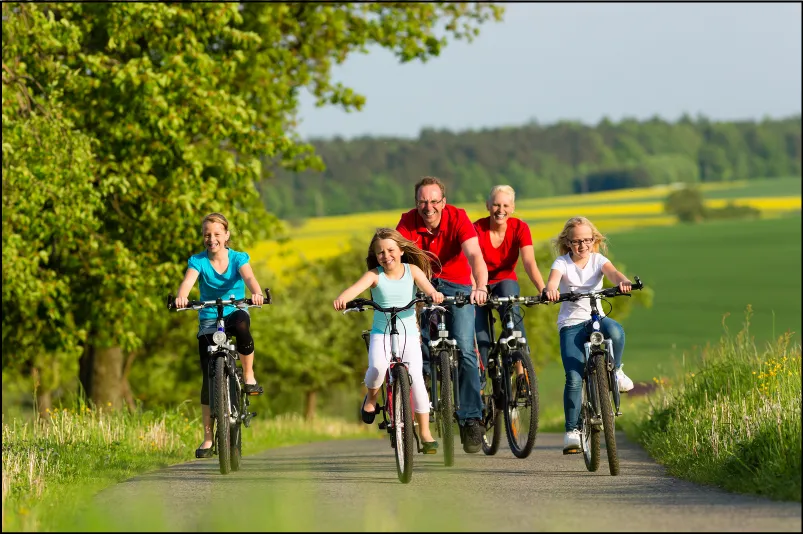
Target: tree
column 687, row 204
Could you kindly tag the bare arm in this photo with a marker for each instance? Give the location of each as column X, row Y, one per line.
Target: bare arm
column 185, row 287
column 531, row 267
column 253, row 286
column 616, row 277
column 425, row 285
column 471, row 248
column 367, row 280
column 552, row 284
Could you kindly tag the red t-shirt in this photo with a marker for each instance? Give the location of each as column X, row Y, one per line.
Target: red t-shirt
column 455, row 228
column 502, row 261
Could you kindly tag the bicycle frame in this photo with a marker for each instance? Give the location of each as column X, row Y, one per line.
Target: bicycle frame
column 600, row 346
column 502, row 349
column 442, row 341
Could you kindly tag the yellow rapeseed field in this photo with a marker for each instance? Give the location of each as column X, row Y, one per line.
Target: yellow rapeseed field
column 322, row 237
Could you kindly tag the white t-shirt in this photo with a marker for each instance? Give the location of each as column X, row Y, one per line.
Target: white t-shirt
column 579, row 280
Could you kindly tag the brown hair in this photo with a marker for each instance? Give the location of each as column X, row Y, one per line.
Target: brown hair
column 217, row 218
column 429, row 180
column 562, row 241
column 412, row 254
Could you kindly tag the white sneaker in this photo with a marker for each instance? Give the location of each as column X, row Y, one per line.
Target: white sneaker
column 571, row 442
column 625, row 384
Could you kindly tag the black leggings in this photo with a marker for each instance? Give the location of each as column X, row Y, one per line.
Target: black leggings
column 237, row 324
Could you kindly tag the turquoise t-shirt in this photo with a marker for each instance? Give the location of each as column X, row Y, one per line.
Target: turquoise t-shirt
column 216, row 285
column 389, row 293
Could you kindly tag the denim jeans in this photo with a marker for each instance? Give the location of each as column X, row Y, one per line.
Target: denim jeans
column 460, row 323
column 482, row 326
column 572, row 352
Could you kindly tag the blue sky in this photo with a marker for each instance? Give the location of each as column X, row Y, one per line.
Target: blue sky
column 571, row 61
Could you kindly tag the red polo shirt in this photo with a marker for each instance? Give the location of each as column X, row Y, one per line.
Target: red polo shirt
column 502, row 261
column 455, row 228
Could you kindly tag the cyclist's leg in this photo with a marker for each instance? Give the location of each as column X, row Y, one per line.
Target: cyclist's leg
column 378, row 362
column 614, row 331
column 572, row 355
column 509, row 288
column 482, row 329
column 204, row 341
column 238, row 324
column 411, row 354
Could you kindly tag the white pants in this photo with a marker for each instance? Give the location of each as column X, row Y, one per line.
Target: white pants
column 410, row 352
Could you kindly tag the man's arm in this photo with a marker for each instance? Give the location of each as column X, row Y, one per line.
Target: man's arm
column 471, row 248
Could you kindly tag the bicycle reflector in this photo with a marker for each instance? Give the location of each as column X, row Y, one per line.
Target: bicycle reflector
column 597, row 338
column 219, row 337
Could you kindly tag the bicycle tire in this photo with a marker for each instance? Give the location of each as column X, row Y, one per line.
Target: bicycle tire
column 493, row 417
column 521, row 448
column 446, row 408
column 403, row 423
column 589, row 439
column 222, row 409
column 236, row 438
column 608, row 422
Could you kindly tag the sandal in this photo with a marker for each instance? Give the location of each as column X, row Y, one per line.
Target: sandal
column 203, row 453
column 367, row 417
column 430, row 447
column 253, row 389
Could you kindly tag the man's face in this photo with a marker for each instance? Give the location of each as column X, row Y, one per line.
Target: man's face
column 429, row 203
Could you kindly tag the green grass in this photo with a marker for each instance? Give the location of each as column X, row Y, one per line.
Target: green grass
column 699, row 273
column 52, row 469
column 731, row 420
column 767, row 187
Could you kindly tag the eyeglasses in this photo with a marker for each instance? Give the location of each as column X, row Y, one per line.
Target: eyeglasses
column 424, row 203
column 578, row 242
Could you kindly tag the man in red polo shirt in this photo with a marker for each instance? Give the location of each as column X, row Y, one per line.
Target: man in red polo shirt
column 447, row 232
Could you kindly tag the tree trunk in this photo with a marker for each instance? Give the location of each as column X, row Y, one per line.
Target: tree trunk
column 309, row 405
column 44, row 401
column 107, row 378
column 126, row 385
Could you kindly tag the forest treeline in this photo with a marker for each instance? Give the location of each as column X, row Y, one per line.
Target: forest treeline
column 375, row 173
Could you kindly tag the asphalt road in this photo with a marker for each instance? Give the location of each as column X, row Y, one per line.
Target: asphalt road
column 352, row 485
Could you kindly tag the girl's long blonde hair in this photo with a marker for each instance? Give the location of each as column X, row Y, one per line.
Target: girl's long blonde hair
column 412, row 254
column 562, row 241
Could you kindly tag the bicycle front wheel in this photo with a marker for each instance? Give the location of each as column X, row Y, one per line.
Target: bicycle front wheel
column 521, row 409
column 608, row 423
column 492, row 415
column 445, row 407
column 222, row 411
column 403, row 423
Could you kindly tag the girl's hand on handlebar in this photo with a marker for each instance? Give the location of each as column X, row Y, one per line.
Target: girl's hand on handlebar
column 182, row 302
column 552, row 295
column 625, row 286
column 339, row 304
column 257, row 299
column 437, row 297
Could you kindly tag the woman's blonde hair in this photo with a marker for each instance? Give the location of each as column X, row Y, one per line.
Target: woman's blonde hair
column 217, row 218
column 412, row 254
column 562, row 241
column 500, row 189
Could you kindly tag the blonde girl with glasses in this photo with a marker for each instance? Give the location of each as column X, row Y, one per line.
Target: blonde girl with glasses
column 580, row 268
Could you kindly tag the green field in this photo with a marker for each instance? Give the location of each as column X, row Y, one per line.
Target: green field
column 699, row 273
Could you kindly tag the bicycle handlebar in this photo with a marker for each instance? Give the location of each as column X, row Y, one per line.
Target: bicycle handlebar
column 495, row 302
column 358, row 305
column 607, row 292
column 201, row 304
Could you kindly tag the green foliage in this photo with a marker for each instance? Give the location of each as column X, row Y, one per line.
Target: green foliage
column 733, row 211
column 687, row 204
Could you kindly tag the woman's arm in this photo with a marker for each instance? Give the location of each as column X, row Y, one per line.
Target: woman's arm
column 527, row 255
column 367, row 280
column 185, row 287
column 426, row 286
column 253, row 286
column 616, row 277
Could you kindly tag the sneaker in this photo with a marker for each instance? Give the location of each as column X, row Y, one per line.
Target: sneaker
column 571, row 442
column 625, row 384
column 472, row 432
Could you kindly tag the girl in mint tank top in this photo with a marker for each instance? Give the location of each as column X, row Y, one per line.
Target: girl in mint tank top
column 395, row 266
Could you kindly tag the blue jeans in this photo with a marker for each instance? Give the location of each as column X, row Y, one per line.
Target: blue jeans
column 460, row 323
column 482, row 325
column 572, row 352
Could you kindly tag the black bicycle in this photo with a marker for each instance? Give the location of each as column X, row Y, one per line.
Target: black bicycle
column 512, row 386
column 600, row 387
column 444, row 382
column 228, row 401
column 397, row 411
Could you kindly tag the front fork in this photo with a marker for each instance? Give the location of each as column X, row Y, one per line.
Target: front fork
column 613, row 383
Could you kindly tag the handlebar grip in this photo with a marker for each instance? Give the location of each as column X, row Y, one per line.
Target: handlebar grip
column 638, row 284
column 267, row 296
column 353, row 304
column 171, row 301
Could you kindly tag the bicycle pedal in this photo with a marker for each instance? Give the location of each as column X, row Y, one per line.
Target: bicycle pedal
column 383, row 425
column 618, row 414
column 572, row 451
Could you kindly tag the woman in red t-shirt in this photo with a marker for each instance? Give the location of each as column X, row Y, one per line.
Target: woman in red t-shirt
column 502, row 240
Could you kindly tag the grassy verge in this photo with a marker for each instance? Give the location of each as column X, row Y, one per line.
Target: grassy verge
column 733, row 422
column 52, row 469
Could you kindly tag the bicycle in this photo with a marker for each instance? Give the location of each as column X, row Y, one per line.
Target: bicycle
column 228, row 401
column 444, row 382
column 396, row 391
column 599, row 385
column 508, row 392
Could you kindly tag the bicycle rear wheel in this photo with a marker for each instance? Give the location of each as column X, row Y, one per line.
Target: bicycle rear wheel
column 521, row 409
column 222, row 411
column 403, row 423
column 589, row 433
column 608, row 423
column 445, row 408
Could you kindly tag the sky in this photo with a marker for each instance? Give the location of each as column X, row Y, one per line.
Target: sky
column 583, row 62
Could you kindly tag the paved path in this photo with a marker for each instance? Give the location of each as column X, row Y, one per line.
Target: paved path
column 352, row 485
